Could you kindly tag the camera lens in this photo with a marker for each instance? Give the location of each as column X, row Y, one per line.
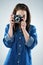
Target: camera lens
column 17, row 18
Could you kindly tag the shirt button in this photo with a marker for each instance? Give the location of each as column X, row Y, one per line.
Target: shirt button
column 19, row 37
column 20, row 30
column 19, row 45
column 18, row 61
column 19, row 54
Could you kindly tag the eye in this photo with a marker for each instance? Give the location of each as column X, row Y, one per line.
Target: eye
column 23, row 16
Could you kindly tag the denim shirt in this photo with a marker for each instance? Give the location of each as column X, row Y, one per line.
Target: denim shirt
column 20, row 50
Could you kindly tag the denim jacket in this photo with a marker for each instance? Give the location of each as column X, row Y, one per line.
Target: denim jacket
column 20, row 50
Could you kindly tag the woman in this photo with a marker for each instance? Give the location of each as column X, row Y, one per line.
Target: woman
column 20, row 37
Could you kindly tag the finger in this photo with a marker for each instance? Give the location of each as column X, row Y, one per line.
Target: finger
column 22, row 23
column 11, row 19
column 12, row 15
column 12, row 22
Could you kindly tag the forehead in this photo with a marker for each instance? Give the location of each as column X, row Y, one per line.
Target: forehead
column 21, row 12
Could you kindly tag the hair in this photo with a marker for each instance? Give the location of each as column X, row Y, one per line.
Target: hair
column 21, row 6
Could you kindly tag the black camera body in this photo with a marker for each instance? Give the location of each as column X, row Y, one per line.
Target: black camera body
column 17, row 18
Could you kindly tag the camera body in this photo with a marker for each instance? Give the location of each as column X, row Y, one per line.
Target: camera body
column 17, row 18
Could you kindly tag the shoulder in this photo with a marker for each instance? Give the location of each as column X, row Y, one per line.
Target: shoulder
column 32, row 26
column 7, row 27
column 32, row 29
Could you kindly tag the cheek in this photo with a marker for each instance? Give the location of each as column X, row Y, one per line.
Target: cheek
column 25, row 18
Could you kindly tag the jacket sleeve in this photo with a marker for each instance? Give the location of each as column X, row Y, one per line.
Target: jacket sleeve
column 32, row 42
column 6, row 39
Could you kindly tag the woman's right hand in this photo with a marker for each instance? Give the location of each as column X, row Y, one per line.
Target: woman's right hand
column 10, row 32
column 12, row 20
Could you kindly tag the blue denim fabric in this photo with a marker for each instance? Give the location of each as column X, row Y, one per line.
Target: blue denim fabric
column 20, row 50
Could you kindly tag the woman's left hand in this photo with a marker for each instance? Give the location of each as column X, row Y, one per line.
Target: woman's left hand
column 23, row 25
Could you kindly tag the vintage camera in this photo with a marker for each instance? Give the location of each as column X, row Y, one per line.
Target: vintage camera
column 17, row 18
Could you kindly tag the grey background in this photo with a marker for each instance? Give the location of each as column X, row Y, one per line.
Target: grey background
column 36, row 10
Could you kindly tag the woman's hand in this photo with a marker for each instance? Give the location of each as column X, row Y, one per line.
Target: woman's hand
column 12, row 20
column 10, row 32
column 23, row 25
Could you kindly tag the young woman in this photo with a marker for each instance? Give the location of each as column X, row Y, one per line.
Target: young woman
column 20, row 37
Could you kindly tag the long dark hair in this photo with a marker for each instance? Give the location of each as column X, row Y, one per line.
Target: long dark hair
column 21, row 6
